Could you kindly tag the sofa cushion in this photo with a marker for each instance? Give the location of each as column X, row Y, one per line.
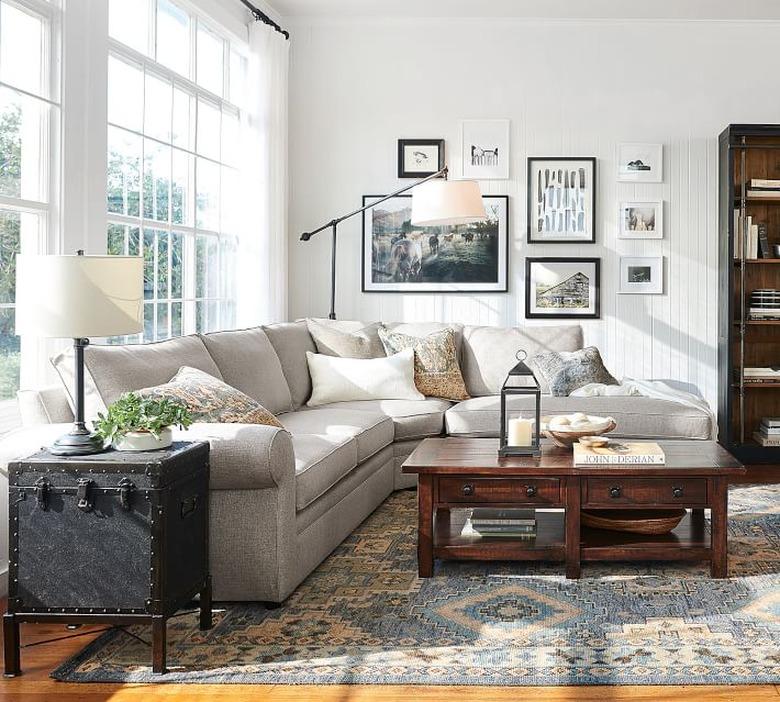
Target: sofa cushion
column 638, row 417
column 567, row 371
column 371, row 431
column 248, row 362
column 346, row 339
column 320, row 462
column 47, row 405
column 412, row 419
column 112, row 370
column 291, row 341
column 422, row 329
column 211, row 400
column 489, row 353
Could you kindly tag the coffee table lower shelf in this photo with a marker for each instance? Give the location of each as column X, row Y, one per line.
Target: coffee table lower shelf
column 689, row 541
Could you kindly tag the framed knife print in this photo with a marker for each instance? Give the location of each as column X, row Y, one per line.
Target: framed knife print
column 561, row 200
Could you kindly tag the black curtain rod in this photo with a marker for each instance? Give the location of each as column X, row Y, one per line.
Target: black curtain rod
column 262, row 17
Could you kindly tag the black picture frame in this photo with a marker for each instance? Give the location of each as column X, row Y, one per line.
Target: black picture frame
column 437, row 288
column 402, row 146
column 591, row 161
column 595, row 262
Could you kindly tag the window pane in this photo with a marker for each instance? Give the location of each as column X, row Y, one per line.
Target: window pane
column 207, row 210
column 22, row 49
column 116, row 240
column 148, row 322
column 206, row 266
column 162, row 321
column 183, row 188
column 208, row 129
column 183, row 119
column 10, row 245
column 238, row 68
column 158, row 106
column 9, row 355
column 210, row 60
column 124, row 172
column 173, row 37
column 231, row 137
column 128, row 22
column 162, row 265
column 157, row 180
column 150, row 250
column 125, row 94
column 176, row 319
column 23, row 146
column 230, row 204
column 177, row 264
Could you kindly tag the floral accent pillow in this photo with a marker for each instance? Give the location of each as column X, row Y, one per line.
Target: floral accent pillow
column 210, row 400
column 567, row 371
column 436, row 369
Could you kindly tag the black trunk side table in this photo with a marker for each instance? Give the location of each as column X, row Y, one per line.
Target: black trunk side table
column 115, row 537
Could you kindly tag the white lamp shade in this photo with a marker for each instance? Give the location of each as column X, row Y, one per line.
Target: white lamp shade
column 79, row 297
column 439, row 202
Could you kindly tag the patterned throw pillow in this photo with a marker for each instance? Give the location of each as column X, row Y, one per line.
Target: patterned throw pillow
column 210, row 400
column 332, row 339
column 567, row 371
column 436, row 369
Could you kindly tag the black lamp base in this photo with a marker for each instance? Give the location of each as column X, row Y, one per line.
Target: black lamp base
column 79, row 442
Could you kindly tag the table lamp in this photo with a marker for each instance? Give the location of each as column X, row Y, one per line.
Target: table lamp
column 78, row 297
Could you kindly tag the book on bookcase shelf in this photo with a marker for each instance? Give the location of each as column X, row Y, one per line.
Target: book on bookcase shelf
column 623, row 453
column 766, row 440
column 764, row 184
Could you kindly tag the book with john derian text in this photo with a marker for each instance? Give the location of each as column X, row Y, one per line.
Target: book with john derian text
column 622, row 453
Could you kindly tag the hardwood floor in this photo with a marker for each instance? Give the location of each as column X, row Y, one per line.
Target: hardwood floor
column 34, row 685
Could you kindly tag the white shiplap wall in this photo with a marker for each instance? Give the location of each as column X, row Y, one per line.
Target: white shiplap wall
column 569, row 88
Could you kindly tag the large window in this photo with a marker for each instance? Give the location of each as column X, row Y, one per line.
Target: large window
column 29, row 132
column 174, row 95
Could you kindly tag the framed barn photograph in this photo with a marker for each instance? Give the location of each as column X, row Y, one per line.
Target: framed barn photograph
column 561, row 200
column 641, row 275
column 641, row 220
column 562, row 288
column 420, row 158
column 399, row 257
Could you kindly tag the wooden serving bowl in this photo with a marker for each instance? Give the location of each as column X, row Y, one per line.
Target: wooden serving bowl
column 566, row 439
column 650, row 521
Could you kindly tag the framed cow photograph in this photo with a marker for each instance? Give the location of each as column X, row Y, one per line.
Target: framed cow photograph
column 399, row 257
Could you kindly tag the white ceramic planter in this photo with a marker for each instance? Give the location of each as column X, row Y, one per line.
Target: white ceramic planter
column 144, row 441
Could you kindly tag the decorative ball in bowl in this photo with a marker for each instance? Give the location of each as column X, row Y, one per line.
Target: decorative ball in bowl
column 565, row 429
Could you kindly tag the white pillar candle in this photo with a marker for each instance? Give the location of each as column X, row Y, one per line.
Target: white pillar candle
column 520, row 431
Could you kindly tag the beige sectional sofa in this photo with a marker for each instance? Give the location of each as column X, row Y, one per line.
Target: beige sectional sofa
column 282, row 500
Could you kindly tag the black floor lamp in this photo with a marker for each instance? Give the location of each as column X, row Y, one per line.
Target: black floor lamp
column 439, row 203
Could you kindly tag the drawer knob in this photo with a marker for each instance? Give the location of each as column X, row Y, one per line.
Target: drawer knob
column 530, row 490
column 677, row 491
column 615, row 491
column 468, row 489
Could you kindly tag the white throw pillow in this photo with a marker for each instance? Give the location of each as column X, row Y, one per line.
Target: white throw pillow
column 335, row 379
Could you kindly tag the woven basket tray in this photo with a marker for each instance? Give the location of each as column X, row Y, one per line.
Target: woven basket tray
column 650, row 521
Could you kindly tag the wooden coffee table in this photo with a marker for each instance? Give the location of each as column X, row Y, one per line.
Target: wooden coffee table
column 457, row 473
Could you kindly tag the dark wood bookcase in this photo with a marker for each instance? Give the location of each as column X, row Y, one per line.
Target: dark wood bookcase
column 747, row 151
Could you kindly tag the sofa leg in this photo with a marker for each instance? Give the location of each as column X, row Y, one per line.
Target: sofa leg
column 271, row 605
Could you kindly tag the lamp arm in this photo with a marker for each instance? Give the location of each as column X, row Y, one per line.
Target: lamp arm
column 332, row 223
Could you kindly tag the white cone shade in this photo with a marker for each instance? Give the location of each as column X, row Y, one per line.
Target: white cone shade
column 78, row 297
column 439, row 202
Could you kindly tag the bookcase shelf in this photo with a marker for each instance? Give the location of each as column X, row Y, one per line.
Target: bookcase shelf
column 746, row 152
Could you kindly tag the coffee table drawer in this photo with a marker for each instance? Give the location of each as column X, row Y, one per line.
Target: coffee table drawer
column 644, row 491
column 520, row 490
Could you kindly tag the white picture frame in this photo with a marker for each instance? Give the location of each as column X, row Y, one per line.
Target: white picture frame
column 641, row 220
column 640, row 163
column 641, row 275
column 484, row 145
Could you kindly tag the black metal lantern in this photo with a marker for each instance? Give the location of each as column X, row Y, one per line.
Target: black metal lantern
column 519, row 435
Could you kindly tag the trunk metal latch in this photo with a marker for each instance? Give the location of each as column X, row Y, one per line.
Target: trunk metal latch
column 126, row 487
column 85, row 503
column 42, row 489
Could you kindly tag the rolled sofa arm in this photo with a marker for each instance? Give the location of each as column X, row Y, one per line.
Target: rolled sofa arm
column 245, row 456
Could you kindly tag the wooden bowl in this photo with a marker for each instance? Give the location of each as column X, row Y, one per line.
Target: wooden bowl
column 648, row 521
column 566, row 439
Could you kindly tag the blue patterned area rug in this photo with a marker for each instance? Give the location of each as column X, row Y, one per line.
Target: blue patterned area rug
column 364, row 617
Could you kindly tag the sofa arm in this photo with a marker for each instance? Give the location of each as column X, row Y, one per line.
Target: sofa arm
column 245, row 456
column 20, row 443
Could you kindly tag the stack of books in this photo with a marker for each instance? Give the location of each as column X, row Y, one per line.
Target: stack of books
column 764, row 189
column 620, row 453
column 769, row 432
column 514, row 523
column 764, row 304
column 762, row 375
column 753, row 239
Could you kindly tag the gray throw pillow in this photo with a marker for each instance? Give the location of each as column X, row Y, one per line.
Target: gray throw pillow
column 567, row 371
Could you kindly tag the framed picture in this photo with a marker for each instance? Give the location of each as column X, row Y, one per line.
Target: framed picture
column 399, row 257
column 641, row 220
column 562, row 288
column 641, row 275
column 485, row 149
column 640, row 163
column 420, row 158
column 561, row 200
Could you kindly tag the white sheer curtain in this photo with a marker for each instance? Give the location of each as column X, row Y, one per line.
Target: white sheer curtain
column 262, row 254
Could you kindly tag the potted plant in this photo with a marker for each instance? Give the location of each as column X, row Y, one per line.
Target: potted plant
column 135, row 423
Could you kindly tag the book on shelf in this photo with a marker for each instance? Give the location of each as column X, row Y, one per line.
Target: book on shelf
column 763, row 241
column 766, row 194
column 761, row 373
column 772, row 422
column 490, row 515
column 768, row 432
column 765, row 440
column 624, row 453
column 507, row 531
column 764, row 184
